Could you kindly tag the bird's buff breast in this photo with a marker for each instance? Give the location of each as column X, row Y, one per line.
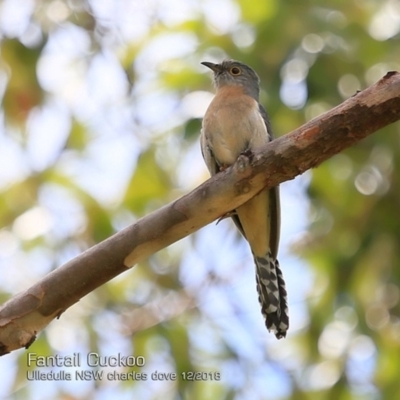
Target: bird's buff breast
column 233, row 124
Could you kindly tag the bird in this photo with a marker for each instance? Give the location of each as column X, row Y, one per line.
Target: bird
column 236, row 123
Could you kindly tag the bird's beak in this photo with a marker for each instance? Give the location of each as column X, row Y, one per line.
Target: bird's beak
column 215, row 67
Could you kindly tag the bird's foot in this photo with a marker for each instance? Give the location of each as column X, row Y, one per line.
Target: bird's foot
column 227, row 215
column 223, row 167
column 244, row 159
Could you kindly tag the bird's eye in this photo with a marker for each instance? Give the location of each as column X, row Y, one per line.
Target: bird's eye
column 235, row 71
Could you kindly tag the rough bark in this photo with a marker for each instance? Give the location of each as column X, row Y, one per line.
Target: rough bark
column 24, row 315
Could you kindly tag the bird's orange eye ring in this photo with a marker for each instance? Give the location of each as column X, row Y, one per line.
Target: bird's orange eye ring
column 235, row 71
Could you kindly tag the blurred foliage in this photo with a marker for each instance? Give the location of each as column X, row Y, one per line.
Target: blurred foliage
column 23, row 91
column 115, row 74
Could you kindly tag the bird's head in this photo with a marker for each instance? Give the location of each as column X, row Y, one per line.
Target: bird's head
column 231, row 72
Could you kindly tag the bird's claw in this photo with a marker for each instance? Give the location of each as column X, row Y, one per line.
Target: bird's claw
column 227, row 215
column 244, row 159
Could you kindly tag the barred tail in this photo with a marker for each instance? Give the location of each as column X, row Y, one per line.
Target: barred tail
column 272, row 294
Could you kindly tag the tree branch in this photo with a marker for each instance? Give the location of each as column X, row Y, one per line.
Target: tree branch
column 24, row 315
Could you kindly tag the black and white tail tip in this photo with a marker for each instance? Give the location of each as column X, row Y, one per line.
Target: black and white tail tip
column 272, row 295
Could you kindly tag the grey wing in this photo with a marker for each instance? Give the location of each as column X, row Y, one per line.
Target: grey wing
column 236, row 220
column 274, row 199
column 208, row 155
column 266, row 120
column 275, row 220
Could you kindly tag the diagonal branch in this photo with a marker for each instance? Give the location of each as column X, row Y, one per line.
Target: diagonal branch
column 24, row 315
